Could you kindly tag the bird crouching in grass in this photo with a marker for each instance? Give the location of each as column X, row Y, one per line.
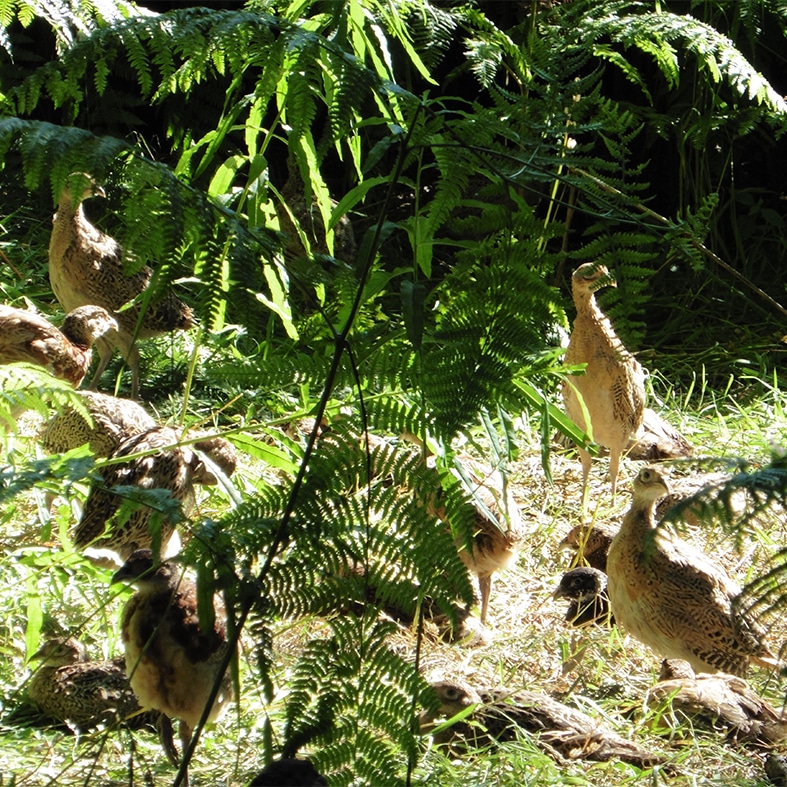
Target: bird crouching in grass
column 500, row 715
column 71, row 689
column 586, row 590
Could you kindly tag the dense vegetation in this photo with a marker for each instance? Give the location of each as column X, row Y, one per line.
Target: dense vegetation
column 374, row 209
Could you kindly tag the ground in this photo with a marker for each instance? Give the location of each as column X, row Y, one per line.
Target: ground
column 527, row 644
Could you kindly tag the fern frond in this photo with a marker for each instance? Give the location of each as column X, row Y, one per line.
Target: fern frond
column 356, row 701
column 493, row 320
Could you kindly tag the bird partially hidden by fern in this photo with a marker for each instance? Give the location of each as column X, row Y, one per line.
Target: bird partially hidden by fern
column 173, row 659
column 65, row 352
column 87, row 266
column 498, row 528
column 501, row 715
column 152, row 460
column 109, row 421
column 71, row 689
column 719, row 700
column 674, row 598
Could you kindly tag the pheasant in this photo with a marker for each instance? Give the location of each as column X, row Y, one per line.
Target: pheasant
column 65, row 352
column 612, row 389
column 81, row 693
column 498, row 528
column 725, row 700
column 173, row 662
column 561, row 731
column 586, row 589
column 656, row 440
column 86, row 266
column 168, row 466
column 591, row 543
column 114, row 420
column 672, row 597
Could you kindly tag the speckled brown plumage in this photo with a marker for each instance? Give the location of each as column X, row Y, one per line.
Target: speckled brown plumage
column 672, row 597
column 586, row 590
column 560, row 730
column 725, row 701
column 498, row 527
column 302, row 222
column 70, row 689
column 65, row 352
column 172, row 661
column 613, row 385
column 170, row 467
column 219, row 450
column 114, row 420
column 656, row 440
column 591, row 543
column 86, row 266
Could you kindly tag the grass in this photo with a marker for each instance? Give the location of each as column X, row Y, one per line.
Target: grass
column 44, row 586
column 529, row 645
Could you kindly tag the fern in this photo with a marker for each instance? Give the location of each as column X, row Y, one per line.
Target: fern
column 356, row 703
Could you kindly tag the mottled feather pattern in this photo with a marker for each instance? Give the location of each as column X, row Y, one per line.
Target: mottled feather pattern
column 672, row 597
column 64, row 352
column 613, row 385
column 87, row 266
column 114, row 420
column 172, row 661
column 171, row 467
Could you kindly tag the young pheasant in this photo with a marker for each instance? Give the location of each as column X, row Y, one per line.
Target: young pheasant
column 498, row 527
column 173, row 662
column 720, row 700
column 86, row 266
column 672, row 597
column 169, row 467
column 69, row 688
column 586, row 590
column 612, row 388
column 64, row 351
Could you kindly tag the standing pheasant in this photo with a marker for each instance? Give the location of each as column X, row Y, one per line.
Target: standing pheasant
column 672, row 597
column 86, row 266
column 612, row 388
column 498, row 528
column 173, row 659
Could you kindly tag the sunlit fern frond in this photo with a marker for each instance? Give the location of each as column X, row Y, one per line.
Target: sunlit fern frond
column 355, row 703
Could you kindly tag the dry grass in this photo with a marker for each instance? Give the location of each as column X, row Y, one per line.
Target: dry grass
column 528, row 645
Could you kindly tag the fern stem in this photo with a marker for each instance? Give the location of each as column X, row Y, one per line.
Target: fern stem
column 249, row 599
